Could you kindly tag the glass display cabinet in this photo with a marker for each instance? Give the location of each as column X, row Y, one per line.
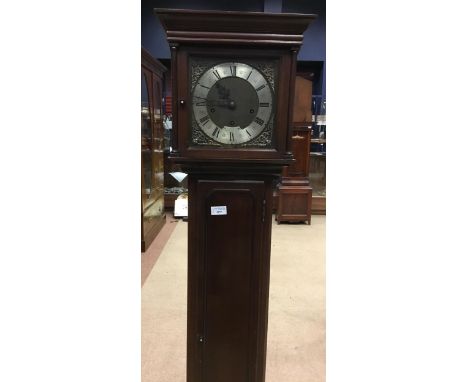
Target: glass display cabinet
column 152, row 148
column 317, row 163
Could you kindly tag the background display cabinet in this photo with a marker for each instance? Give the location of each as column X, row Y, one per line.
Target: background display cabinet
column 317, row 163
column 152, row 148
column 294, row 191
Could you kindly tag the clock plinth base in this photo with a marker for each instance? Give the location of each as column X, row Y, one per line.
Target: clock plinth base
column 294, row 203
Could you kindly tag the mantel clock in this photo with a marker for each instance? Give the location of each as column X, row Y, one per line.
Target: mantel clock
column 232, row 85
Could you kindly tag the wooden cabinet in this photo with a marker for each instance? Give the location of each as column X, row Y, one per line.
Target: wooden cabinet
column 152, row 146
column 295, row 203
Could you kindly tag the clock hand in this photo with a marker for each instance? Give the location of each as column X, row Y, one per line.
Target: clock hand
column 221, row 103
column 230, row 103
column 222, row 91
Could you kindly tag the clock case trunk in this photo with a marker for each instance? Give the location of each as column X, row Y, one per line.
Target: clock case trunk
column 228, row 278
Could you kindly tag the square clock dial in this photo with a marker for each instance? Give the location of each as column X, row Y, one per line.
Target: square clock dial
column 232, row 102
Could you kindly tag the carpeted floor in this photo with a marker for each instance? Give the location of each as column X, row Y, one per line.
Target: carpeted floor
column 296, row 330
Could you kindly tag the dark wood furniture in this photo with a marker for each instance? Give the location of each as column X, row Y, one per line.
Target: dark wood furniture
column 230, row 175
column 294, row 192
column 294, row 204
column 152, row 141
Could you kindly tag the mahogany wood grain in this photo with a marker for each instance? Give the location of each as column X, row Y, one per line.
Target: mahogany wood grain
column 214, row 23
column 229, row 257
column 294, row 204
column 301, row 148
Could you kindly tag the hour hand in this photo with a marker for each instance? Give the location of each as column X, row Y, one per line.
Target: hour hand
column 219, row 102
column 229, row 103
column 199, row 101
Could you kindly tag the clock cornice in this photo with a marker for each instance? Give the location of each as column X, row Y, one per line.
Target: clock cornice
column 222, row 27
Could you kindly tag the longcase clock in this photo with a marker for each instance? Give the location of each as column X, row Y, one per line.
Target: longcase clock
column 232, row 81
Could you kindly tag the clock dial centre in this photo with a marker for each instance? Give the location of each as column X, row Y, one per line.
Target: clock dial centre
column 232, row 99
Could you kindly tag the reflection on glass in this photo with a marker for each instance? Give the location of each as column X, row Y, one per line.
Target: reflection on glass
column 146, row 133
column 147, row 171
column 154, row 211
column 167, row 132
column 317, row 168
column 158, row 106
column 151, row 156
column 152, row 139
column 146, row 157
column 145, row 124
column 317, row 174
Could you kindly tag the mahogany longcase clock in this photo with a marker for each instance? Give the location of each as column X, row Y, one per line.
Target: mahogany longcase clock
column 232, row 85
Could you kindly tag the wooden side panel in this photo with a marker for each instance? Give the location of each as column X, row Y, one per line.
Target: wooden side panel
column 295, row 203
column 303, row 100
column 301, row 149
